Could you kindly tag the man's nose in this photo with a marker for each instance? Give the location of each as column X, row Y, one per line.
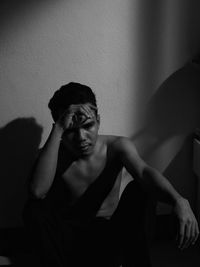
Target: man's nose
column 81, row 134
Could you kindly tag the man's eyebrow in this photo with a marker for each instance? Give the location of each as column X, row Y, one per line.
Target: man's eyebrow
column 88, row 122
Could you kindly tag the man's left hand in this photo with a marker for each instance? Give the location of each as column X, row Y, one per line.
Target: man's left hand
column 188, row 229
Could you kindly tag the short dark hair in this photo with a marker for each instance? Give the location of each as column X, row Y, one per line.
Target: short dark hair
column 68, row 94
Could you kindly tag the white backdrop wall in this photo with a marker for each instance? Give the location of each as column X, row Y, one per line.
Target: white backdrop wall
column 124, row 50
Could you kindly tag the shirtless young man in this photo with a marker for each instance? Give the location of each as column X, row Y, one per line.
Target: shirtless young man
column 77, row 217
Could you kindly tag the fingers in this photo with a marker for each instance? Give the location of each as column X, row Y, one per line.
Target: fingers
column 188, row 234
column 89, row 109
column 92, row 107
column 188, row 226
column 196, row 234
column 76, row 114
column 181, row 235
column 86, row 109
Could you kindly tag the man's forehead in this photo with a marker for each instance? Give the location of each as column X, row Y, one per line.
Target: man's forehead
column 81, row 123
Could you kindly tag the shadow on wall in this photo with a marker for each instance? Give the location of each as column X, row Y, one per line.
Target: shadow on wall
column 174, row 111
column 19, row 142
column 180, row 171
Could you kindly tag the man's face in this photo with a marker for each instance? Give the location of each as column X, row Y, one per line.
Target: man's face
column 81, row 137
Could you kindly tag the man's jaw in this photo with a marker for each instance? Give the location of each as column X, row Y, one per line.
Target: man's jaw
column 79, row 150
column 84, row 148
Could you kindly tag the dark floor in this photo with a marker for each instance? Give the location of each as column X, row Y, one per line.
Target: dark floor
column 163, row 254
column 163, row 250
column 166, row 254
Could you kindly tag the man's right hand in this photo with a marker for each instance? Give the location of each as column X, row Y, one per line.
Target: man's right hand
column 75, row 115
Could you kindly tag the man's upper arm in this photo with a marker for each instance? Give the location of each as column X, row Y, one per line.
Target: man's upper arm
column 29, row 182
column 130, row 157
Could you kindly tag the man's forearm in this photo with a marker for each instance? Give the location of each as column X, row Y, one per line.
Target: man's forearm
column 45, row 167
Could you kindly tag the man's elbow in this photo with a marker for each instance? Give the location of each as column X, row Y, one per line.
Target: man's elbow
column 37, row 193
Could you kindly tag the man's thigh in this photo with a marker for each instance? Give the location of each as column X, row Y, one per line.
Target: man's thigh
column 104, row 244
column 128, row 222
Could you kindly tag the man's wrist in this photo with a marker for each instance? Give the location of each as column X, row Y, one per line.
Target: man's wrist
column 57, row 129
column 179, row 200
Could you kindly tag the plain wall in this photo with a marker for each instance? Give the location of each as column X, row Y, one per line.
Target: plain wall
column 125, row 50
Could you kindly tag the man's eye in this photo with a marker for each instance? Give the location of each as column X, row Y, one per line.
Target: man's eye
column 88, row 126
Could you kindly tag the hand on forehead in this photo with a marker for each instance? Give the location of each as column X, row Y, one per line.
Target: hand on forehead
column 82, row 113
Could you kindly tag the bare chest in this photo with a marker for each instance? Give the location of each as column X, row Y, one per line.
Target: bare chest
column 79, row 176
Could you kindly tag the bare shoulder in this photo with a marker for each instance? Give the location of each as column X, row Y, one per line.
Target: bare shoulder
column 126, row 152
column 118, row 144
column 108, row 139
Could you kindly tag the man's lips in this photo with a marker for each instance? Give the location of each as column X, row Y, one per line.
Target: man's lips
column 83, row 146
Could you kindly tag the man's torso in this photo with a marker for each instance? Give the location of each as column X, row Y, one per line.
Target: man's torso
column 80, row 174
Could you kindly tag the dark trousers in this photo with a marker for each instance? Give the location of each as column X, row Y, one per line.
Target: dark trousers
column 98, row 242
